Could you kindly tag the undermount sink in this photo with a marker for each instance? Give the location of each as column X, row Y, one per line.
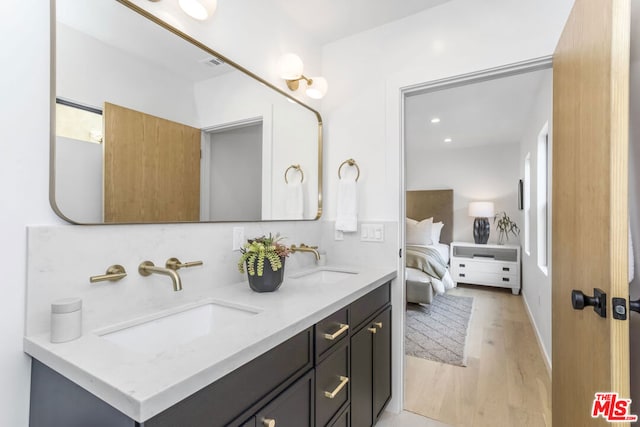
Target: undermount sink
column 324, row 276
column 169, row 330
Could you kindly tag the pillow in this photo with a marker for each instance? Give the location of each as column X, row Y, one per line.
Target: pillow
column 419, row 232
column 436, row 230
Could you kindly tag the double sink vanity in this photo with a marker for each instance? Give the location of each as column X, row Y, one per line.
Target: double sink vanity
column 317, row 352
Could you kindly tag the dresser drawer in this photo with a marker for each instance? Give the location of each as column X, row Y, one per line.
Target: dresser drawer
column 486, row 266
column 491, row 279
column 331, row 331
column 332, row 385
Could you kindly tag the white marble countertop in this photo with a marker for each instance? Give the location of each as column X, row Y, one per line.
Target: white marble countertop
column 143, row 385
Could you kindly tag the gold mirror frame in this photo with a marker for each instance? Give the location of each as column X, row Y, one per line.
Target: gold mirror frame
column 189, row 39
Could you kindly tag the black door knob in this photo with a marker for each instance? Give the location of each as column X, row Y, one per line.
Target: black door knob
column 634, row 305
column 599, row 301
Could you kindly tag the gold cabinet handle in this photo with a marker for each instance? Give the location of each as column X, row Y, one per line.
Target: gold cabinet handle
column 334, row 393
column 372, row 330
column 114, row 272
column 336, row 334
column 268, row 422
column 378, row 324
column 175, row 264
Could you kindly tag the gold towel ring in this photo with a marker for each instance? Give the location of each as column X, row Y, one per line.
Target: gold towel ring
column 349, row 162
column 296, row 167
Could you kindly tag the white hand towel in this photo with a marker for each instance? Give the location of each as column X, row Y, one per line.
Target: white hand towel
column 294, row 203
column 347, row 215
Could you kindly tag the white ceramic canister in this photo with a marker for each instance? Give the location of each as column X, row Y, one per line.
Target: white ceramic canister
column 66, row 319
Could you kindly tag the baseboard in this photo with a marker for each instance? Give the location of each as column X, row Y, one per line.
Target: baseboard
column 545, row 356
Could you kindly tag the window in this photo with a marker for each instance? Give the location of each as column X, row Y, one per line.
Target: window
column 542, row 192
column 527, row 204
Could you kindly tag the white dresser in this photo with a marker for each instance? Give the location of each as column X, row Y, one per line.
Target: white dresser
column 491, row 265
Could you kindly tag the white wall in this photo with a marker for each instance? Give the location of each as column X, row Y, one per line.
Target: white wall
column 79, row 179
column 24, row 163
column 367, row 71
column 485, row 173
column 536, row 285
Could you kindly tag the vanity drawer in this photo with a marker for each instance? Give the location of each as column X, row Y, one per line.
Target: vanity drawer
column 366, row 306
column 331, row 331
column 332, row 385
column 243, row 389
column 293, row 408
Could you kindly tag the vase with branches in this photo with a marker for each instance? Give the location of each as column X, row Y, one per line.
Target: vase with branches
column 505, row 226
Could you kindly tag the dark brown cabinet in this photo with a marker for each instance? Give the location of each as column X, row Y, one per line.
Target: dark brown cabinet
column 293, row 408
column 371, row 367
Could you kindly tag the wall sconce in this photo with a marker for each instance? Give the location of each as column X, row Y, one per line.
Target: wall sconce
column 291, row 71
column 198, row 9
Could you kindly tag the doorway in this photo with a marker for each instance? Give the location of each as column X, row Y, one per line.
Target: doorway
column 481, row 158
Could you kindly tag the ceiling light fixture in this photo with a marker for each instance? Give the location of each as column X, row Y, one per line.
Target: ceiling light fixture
column 448, row 140
column 291, row 71
column 435, row 120
column 198, row 9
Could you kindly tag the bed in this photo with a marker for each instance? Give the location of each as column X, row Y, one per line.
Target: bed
column 427, row 273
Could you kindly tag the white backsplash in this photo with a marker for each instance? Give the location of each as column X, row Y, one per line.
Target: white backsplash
column 62, row 258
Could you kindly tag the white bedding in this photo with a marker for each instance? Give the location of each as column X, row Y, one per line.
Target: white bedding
column 439, row 287
column 442, row 248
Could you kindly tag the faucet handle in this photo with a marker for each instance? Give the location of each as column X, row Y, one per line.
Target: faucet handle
column 175, row 264
column 302, row 245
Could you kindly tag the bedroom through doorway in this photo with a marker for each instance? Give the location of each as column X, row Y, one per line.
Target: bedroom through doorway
column 477, row 323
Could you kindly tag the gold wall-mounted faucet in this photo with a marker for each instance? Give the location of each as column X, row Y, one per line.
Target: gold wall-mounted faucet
column 305, row 248
column 146, row 268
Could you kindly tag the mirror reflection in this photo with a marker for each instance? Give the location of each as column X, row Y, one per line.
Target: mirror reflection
column 152, row 128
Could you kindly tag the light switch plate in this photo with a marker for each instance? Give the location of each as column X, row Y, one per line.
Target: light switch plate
column 238, row 238
column 372, row 232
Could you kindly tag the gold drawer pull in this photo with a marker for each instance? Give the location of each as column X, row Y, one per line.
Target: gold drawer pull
column 378, row 324
column 336, row 334
column 268, row 422
column 334, row 393
column 372, row 330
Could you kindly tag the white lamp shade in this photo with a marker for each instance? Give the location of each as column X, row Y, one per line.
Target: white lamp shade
column 198, row 9
column 318, row 88
column 290, row 66
column 481, row 209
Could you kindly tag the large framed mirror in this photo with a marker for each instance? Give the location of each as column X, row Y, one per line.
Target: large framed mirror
column 152, row 126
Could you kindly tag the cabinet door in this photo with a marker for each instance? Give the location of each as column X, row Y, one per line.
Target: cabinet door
column 362, row 378
column 381, row 362
column 293, row 408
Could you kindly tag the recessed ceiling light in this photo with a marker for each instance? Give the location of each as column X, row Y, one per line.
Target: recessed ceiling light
column 435, row 120
column 448, row 140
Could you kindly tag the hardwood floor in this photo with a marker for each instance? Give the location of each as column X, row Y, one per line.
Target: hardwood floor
column 505, row 383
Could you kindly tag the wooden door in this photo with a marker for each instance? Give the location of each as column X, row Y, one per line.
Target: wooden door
column 151, row 168
column 589, row 246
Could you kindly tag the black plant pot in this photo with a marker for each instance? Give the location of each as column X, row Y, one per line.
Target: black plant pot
column 270, row 280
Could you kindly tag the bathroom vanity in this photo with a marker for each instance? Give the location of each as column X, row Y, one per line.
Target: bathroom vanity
column 317, row 353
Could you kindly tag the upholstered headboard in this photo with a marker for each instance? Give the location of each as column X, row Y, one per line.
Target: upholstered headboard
column 438, row 204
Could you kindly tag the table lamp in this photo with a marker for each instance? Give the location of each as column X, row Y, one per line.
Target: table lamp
column 481, row 227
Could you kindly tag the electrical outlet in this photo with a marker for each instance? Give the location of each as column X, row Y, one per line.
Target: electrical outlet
column 238, row 238
column 338, row 235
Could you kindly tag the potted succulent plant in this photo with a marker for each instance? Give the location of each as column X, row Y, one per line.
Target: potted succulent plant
column 264, row 259
column 505, row 225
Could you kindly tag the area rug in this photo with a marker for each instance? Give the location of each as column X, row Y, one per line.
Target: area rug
column 438, row 331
